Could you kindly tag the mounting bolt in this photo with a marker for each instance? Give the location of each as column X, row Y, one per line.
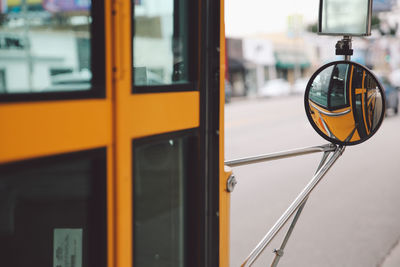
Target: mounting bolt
column 231, row 183
column 278, row 252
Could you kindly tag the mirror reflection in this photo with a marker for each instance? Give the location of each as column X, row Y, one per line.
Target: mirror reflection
column 344, row 102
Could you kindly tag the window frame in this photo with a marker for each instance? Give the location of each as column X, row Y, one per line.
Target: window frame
column 98, row 63
column 193, row 56
column 328, row 105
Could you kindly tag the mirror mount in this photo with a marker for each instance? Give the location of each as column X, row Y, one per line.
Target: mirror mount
column 331, row 152
column 344, row 48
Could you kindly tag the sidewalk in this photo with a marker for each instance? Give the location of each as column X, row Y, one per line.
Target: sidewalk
column 393, row 258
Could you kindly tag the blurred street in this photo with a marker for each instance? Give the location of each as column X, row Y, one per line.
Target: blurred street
column 352, row 218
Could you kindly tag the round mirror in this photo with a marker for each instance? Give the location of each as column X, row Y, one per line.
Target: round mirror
column 344, row 102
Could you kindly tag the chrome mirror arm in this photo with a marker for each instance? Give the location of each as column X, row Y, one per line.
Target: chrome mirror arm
column 279, row 252
column 301, row 198
column 281, row 155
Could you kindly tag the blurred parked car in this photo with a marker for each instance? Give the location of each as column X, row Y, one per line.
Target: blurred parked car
column 300, row 85
column 394, row 78
column 392, row 95
column 71, row 81
column 228, row 91
column 275, row 87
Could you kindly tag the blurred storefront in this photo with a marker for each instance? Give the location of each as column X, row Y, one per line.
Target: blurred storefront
column 291, row 65
column 237, row 72
column 259, row 55
column 251, row 63
column 255, row 60
column 292, row 56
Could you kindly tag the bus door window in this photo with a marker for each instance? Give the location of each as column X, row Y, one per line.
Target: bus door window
column 164, row 200
column 320, row 86
column 161, row 42
column 329, row 88
column 53, row 211
column 358, row 91
column 46, row 47
column 166, row 211
column 372, row 100
column 338, row 87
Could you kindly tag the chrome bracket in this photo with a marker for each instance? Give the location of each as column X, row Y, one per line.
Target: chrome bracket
column 231, row 183
column 326, row 163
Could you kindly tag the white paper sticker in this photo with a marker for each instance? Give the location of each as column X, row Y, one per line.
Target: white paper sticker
column 67, row 247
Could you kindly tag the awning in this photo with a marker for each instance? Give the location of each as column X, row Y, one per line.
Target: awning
column 383, row 5
column 235, row 65
column 52, row 6
column 290, row 59
column 19, row 2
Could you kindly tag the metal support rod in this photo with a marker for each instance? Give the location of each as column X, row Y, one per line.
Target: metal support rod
column 293, row 207
column 280, row 251
column 280, row 155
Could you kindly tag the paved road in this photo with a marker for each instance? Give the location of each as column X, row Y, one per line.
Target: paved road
column 352, row 219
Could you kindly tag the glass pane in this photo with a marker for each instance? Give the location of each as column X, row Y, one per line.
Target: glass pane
column 45, row 46
column 161, row 203
column 53, row 211
column 338, row 91
column 358, row 77
column 320, row 86
column 345, row 17
column 160, row 43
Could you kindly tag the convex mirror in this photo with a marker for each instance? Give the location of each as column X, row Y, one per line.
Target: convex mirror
column 344, row 102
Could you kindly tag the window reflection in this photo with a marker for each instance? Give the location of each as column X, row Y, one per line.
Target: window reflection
column 45, row 46
column 160, row 43
column 320, row 86
column 338, row 95
column 329, row 88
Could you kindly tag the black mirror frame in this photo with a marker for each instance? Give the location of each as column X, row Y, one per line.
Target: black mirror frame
column 307, row 106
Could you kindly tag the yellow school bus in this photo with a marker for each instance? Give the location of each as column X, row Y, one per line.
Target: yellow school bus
column 111, row 138
column 340, row 95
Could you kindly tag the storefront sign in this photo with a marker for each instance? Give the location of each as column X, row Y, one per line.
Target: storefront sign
column 3, row 6
column 383, row 5
column 66, row 5
column 8, row 42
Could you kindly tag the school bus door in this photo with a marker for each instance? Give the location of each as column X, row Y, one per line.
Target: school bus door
column 168, row 134
column 126, row 162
